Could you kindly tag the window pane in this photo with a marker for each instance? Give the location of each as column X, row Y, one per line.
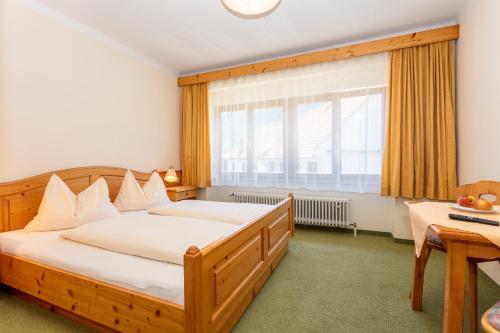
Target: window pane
column 314, row 122
column 361, row 134
column 233, row 126
column 268, row 138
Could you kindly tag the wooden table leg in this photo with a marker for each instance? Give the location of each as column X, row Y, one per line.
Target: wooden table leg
column 472, row 297
column 418, row 278
column 456, row 265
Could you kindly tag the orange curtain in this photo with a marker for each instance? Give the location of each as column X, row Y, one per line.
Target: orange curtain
column 195, row 141
column 420, row 148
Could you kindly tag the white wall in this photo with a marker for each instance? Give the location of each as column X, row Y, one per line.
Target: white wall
column 69, row 98
column 369, row 211
column 478, row 80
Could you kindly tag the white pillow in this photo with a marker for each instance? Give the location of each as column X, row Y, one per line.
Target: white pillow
column 62, row 209
column 132, row 197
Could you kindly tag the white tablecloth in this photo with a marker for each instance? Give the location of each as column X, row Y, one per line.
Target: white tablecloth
column 424, row 214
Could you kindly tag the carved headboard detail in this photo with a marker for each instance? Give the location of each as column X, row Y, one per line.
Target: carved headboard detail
column 19, row 200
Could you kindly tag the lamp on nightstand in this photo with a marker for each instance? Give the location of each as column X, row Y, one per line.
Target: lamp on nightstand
column 171, row 175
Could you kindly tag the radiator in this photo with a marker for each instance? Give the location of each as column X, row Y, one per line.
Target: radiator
column 309, row 210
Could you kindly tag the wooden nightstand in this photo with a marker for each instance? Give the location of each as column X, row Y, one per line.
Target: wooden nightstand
column 178, row 193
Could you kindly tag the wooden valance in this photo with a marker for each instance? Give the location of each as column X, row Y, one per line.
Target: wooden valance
column 354, row 50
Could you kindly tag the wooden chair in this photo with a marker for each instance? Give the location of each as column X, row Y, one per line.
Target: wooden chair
column 433, row 242
column 486, row 323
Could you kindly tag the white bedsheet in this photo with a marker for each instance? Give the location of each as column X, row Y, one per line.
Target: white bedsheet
column 152, row 277
column 229, row 212
column 164, row 238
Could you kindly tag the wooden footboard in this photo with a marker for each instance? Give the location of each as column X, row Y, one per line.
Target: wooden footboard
column 222, row 279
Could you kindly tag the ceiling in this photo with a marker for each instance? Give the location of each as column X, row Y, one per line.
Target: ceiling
column 194, row 35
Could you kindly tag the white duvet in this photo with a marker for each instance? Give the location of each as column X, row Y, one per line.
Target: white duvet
column 228, row 212
column 153, row 277
column 163, row 238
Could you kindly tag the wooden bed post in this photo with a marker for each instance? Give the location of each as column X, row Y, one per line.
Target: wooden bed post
column 193, row 290
column 291, row 213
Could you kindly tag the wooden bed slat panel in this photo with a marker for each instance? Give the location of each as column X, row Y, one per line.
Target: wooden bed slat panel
column 115, row 182
column 231, row 271
column 235, row 313
column 126, row 311
column 22, row 207
column 277, row 230
column 55, row 309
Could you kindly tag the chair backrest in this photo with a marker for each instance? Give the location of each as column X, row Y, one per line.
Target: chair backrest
column 480, row 188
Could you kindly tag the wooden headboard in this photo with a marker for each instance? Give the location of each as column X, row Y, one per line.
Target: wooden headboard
column 19, row 200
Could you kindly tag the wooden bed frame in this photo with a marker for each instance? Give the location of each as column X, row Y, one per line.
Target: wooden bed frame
column 220, row 280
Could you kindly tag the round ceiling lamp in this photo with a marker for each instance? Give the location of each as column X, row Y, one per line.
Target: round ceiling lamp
column 251, row 9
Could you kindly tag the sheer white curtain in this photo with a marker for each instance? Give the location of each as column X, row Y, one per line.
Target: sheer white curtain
column 315, row 127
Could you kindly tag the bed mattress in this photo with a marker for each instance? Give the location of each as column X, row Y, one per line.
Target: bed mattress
column 155, row 278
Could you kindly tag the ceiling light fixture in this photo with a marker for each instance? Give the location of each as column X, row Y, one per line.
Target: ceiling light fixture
column 251, row 9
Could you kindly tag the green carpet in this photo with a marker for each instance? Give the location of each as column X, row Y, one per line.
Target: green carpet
column 328, row 282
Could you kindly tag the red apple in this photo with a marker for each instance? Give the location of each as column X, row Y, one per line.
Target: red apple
column 482, row 204
column 466, row 201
